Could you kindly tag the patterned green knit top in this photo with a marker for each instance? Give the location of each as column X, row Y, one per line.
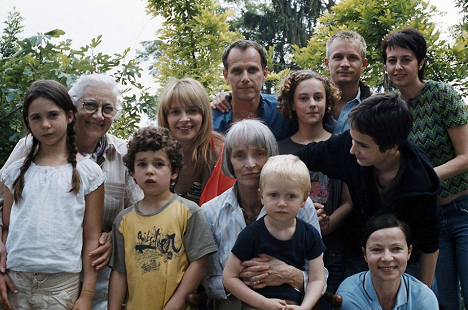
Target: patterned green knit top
column 435, row 109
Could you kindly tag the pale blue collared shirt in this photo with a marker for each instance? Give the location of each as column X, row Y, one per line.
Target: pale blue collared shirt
column 342, row 124
column 359, row 294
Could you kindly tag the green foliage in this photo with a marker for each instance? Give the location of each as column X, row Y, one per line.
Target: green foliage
column 460, row 48
column 42, row 56
column 191, row 41
column 374, row 19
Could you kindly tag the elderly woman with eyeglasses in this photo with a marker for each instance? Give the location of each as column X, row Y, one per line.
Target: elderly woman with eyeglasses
column 96, row 98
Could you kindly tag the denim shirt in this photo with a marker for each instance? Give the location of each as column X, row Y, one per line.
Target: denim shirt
column 358, row 293
column 226, row 221
column 267, row 113
column 342, row 124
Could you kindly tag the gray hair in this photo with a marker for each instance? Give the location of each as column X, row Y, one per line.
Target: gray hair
column 246, row 133
column 95, row 79
column 348, row 36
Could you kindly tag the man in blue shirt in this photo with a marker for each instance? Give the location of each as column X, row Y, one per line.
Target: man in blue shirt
column 345, row 60
column 245, row 70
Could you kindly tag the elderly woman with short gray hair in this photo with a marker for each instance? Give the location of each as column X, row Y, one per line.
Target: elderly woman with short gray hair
column 248, row 145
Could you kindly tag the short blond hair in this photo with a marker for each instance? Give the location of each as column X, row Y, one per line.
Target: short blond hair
column 286, row 167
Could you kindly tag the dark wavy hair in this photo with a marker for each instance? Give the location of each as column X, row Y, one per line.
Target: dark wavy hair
column 154, row 139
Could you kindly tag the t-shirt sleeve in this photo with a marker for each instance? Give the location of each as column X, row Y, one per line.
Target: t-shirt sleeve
column 91, row 175
column 198, row 239
column 117, row 260
column 243, row 249
column 11, row 173
column 315, row 246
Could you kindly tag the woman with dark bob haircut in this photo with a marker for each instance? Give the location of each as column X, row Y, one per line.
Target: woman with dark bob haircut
column 385, row 286
column 440, row 128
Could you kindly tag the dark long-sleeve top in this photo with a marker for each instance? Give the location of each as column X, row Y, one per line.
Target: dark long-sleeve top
column 414, row 199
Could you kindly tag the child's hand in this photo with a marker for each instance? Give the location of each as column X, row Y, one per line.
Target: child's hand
column 83, row 303
column 102, row 254
column 323, row 218
column 5, row 285
column 273, row 304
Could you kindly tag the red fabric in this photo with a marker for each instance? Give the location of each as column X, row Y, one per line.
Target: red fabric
column 218, row 182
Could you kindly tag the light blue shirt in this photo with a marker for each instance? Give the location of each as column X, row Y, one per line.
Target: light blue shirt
column 358, row 293
column 226, row 221
column 342, row 124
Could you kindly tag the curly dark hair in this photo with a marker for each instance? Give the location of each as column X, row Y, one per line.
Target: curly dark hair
column 289, row 84
column 154, row 139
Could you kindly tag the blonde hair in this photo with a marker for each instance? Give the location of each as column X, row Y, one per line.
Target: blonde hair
column 286, row 167
column 189, row 92
column 348, row 36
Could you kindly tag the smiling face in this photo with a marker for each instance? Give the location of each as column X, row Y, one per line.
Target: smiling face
column 310, row 102
column 184, row 122
column 153, row 173
column 387, row 254
column 48, row 122
column 402, row 67
column 247, row 163
column 92, row 126
column 345, row 62
column 245, row 74
column 282, row 198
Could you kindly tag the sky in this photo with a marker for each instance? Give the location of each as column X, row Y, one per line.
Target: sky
column 122, row 23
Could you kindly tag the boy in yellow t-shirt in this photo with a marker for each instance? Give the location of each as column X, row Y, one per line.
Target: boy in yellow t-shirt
column 159, row 244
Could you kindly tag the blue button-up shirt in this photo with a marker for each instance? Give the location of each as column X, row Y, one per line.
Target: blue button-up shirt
column 358, row 293
column 267, row 113
column 342, row 124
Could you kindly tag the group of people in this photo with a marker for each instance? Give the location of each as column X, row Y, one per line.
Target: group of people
column 324, row 187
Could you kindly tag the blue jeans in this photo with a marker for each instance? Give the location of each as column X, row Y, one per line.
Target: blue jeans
column 452, row 264
column 335, row 265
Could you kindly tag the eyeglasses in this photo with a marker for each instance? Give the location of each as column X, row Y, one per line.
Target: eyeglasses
column 91, row 106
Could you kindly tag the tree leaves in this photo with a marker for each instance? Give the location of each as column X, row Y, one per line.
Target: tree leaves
column 42, row 56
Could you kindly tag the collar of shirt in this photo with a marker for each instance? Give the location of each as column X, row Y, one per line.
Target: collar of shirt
column 342, row 124
column 402, row 294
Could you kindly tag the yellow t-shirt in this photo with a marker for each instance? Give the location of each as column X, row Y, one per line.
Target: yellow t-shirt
column 154, row 250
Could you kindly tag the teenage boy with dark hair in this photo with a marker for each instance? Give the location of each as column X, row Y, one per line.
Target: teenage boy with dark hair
column 385, row 173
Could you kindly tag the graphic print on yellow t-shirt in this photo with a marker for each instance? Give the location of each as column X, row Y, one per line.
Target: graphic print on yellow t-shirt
column 153, row 247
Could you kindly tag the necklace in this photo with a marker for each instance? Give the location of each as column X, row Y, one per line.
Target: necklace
column 249, row 219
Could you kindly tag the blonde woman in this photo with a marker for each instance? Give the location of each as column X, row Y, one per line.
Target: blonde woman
column 184, row 108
